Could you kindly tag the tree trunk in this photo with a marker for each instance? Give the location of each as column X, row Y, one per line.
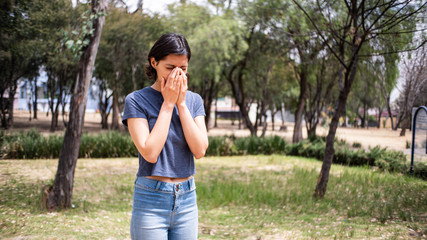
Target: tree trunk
column 208, row 93
column 323, row 179
column 406, row 124
column 282, row 113
column 12, row 91
column 116, row 111
column 216, row 111
column 35, row 99
column 55, row 109
column 3, row 108
column 380, row 112
column 364, row 115
column 59, row 195
column 297, row 136
column 273, row 112
column 134, row 85
column 390, row 114
column 312, row 131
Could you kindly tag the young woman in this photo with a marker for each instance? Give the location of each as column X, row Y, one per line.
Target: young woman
column 167, row 125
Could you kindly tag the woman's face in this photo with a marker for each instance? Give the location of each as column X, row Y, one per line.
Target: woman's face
column 166, row 65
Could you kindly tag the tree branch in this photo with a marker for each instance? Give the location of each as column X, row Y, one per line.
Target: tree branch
column 320, row 33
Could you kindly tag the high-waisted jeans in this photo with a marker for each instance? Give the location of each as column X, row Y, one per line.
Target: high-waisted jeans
column 164, row 210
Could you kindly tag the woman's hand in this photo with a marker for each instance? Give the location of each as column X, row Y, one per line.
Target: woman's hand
column 184, row 87
column 170, row 88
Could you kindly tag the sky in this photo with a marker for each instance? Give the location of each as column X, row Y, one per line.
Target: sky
column 151, row 6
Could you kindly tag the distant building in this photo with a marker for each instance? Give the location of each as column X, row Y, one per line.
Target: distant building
column 24, row 97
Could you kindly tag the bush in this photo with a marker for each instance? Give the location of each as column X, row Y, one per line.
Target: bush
column 257, row 145
column 420, row 170
column 221, row 146
column 357, row 145
column 32, row 145
column 107, row 145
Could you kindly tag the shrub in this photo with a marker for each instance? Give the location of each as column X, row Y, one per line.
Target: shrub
column 257, row 145
column 420, row 170
column 32, row 145
column 107, row 145
column 357, row 145
column 221, row 146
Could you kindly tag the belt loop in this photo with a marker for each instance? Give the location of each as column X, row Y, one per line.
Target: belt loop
column 189, row 184
column 158, row 185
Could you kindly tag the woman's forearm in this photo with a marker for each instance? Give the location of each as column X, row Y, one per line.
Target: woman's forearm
column 195, row 135
column 150, row 146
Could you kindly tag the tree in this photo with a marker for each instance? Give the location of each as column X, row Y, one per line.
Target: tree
column 320, row 92
column 211, row 46
column 249, row 77
column 59, row 195
column 18, row 54
column 353, row 25
column 51, row 20
column 127, row 38
column 414, row 73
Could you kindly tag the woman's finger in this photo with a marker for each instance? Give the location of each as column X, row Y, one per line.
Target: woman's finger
column 162, row 83
column 184, row 76
column 170, row 78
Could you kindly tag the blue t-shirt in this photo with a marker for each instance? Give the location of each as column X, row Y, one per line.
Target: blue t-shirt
column 175, row 160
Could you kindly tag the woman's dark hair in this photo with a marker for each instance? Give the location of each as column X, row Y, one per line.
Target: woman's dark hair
column 169, row 43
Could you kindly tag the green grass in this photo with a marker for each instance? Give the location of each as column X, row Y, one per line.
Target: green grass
column 245, row 197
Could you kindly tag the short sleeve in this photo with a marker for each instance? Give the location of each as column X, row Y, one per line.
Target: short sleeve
column 199, row 108
column 132, row 109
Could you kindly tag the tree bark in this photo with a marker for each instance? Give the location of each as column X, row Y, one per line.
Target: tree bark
column 59, row 195
column 12, row 92
column 323, row 179
column 297, row 136
column 116, row 111
column 380, row 112
column 35, row 99
column 349, row 77
column 406, row 124
column 390, row 114
column 209, row 92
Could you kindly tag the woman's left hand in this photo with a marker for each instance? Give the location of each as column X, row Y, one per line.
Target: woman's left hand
column 184, row 87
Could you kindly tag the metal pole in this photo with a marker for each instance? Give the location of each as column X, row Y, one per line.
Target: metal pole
column 414, row 122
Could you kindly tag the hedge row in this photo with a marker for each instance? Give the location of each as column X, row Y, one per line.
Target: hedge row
column 32, row 145
column 387, row 160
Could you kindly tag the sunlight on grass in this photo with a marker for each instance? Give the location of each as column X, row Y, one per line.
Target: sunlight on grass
column 247, row 197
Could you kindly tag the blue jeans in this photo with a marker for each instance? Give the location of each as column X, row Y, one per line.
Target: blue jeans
column 164, row 211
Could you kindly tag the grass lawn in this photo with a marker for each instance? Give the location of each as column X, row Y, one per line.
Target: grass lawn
column 249, row 197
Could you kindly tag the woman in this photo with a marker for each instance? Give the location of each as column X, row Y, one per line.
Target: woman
column 167, row 125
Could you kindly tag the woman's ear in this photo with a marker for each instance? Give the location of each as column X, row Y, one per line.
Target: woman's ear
column 153, row 62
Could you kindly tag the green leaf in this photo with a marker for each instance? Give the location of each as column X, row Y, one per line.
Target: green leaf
column 69, row 44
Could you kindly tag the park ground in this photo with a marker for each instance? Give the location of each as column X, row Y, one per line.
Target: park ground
column 245, row 197
column 367, row 137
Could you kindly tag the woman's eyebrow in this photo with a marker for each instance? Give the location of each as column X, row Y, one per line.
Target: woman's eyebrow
column 171, row 65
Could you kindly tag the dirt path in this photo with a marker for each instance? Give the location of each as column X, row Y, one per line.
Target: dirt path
column 366, row 137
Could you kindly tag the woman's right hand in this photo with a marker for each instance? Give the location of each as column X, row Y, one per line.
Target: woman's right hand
column 170, row 88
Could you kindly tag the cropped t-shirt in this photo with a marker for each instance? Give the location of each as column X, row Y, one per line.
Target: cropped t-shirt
column 175, row 160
